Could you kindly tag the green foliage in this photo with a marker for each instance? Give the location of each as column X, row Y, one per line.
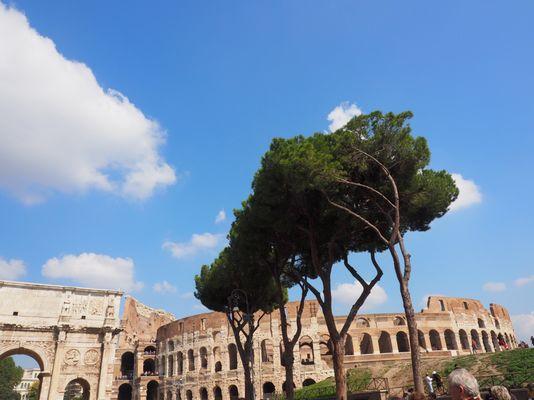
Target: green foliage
column 10, row 376
column 231, row 271
column 34, row 391
column 357, row 381
column 515, row 367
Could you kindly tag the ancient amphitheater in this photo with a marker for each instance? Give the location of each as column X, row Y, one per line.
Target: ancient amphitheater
column 77, row 339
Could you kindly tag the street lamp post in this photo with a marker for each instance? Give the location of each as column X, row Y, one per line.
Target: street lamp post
column 233, row 303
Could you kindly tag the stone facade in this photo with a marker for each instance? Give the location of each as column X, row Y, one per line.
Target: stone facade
column 70, row 332
column 196, row 356
column 73, row 334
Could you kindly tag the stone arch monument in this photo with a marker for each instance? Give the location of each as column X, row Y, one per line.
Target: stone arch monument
column 70, row 332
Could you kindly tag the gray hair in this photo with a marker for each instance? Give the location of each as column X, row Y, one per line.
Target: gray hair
column 462, row 377
column 500, row 393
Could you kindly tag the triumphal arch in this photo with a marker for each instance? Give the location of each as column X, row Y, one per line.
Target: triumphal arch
column 71, row 332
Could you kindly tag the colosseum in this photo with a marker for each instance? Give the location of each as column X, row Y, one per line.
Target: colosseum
column 77, row 338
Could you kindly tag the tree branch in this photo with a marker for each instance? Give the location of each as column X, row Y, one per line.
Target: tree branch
column 372, row 189
column 353, row 271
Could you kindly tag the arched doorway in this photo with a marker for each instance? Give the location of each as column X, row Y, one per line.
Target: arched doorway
column 152, row 390
column 398, row 321
column 127, row 364
column 450, row 340
column 306, row 350
column 203, row 393
column 349, row 346
column 402, row 342
column 33, row 358
column 435, row 340
column 268, row 390
column 475, row 339
column 217, row 393
column 189, row 395
column 284, row 386
column 481, row 323
column 463, row 339
column 267, row 351
column 233, row 392
column 232, row 356
column 77, row 389
column 421, row 339
column 308, row 382
column 125, row 392
column 179, row 363
column 495, row 341
column 384, row 343
column 149, row 367
column 325, row 346
column 191, row 359
column 366, row 344
column 485, row 341
column 150, row 350
column 203, row 358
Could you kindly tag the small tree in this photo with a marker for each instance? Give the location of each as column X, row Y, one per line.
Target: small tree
column 253, row 233
column 33, row 393
column 232, row 284
column 385, row 184
column 10, row 376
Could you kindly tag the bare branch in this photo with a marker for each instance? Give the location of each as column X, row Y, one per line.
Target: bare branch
column 358, row 216
column 353, row 271
column 372, row 189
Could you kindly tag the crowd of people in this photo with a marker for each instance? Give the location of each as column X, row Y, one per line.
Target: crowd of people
column 462, row 385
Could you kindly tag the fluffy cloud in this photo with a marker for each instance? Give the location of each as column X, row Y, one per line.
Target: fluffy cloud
column 12, row 269
column 347, row 293
column 187, row 295
column 164, row 287
column 524, row 326
column 61, row 131
column 524, row 281
column 221, row 217
column 469, row 193
column 494, row 287
column 197, row 244
column 93, row 270
column 342, row 114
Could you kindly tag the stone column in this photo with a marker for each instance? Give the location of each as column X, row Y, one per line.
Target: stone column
column 356, row 344
column 442, row 340
column 211, row 360
column 45, row 378
column 104, row 366
column 376, row 345
column 394, row 344
column 427, row 341
column 56, row 370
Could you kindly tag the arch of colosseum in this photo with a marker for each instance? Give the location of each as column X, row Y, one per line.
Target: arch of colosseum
column 75, row 336
column 70, row 332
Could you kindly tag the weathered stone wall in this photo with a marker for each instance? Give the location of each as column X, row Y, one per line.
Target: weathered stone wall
column 71, row 332
column 195, row 353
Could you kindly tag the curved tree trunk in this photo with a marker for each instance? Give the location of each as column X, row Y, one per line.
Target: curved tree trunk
column 289, row 359
column 413, row 337
column 338, row 356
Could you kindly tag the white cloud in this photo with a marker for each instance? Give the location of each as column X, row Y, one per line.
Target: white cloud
column 221, row 217
column 494, row 287
column 187, row 295
column 469, row 193
column 12, row 269
column 524, row 326
column 524, row 281
column 197, row 244
column 60, row 131
column 93, row 270
column 164, row 287
column 348, row 293
column 342, row 114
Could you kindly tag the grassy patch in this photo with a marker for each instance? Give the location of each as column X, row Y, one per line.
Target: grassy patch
column 357, row 380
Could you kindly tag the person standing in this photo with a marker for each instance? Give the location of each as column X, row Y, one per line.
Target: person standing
column 532, row 340
column 428, row 382
column 474, row 345
column 439, row 383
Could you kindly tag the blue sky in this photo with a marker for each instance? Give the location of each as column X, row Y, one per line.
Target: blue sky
column 99, row 188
